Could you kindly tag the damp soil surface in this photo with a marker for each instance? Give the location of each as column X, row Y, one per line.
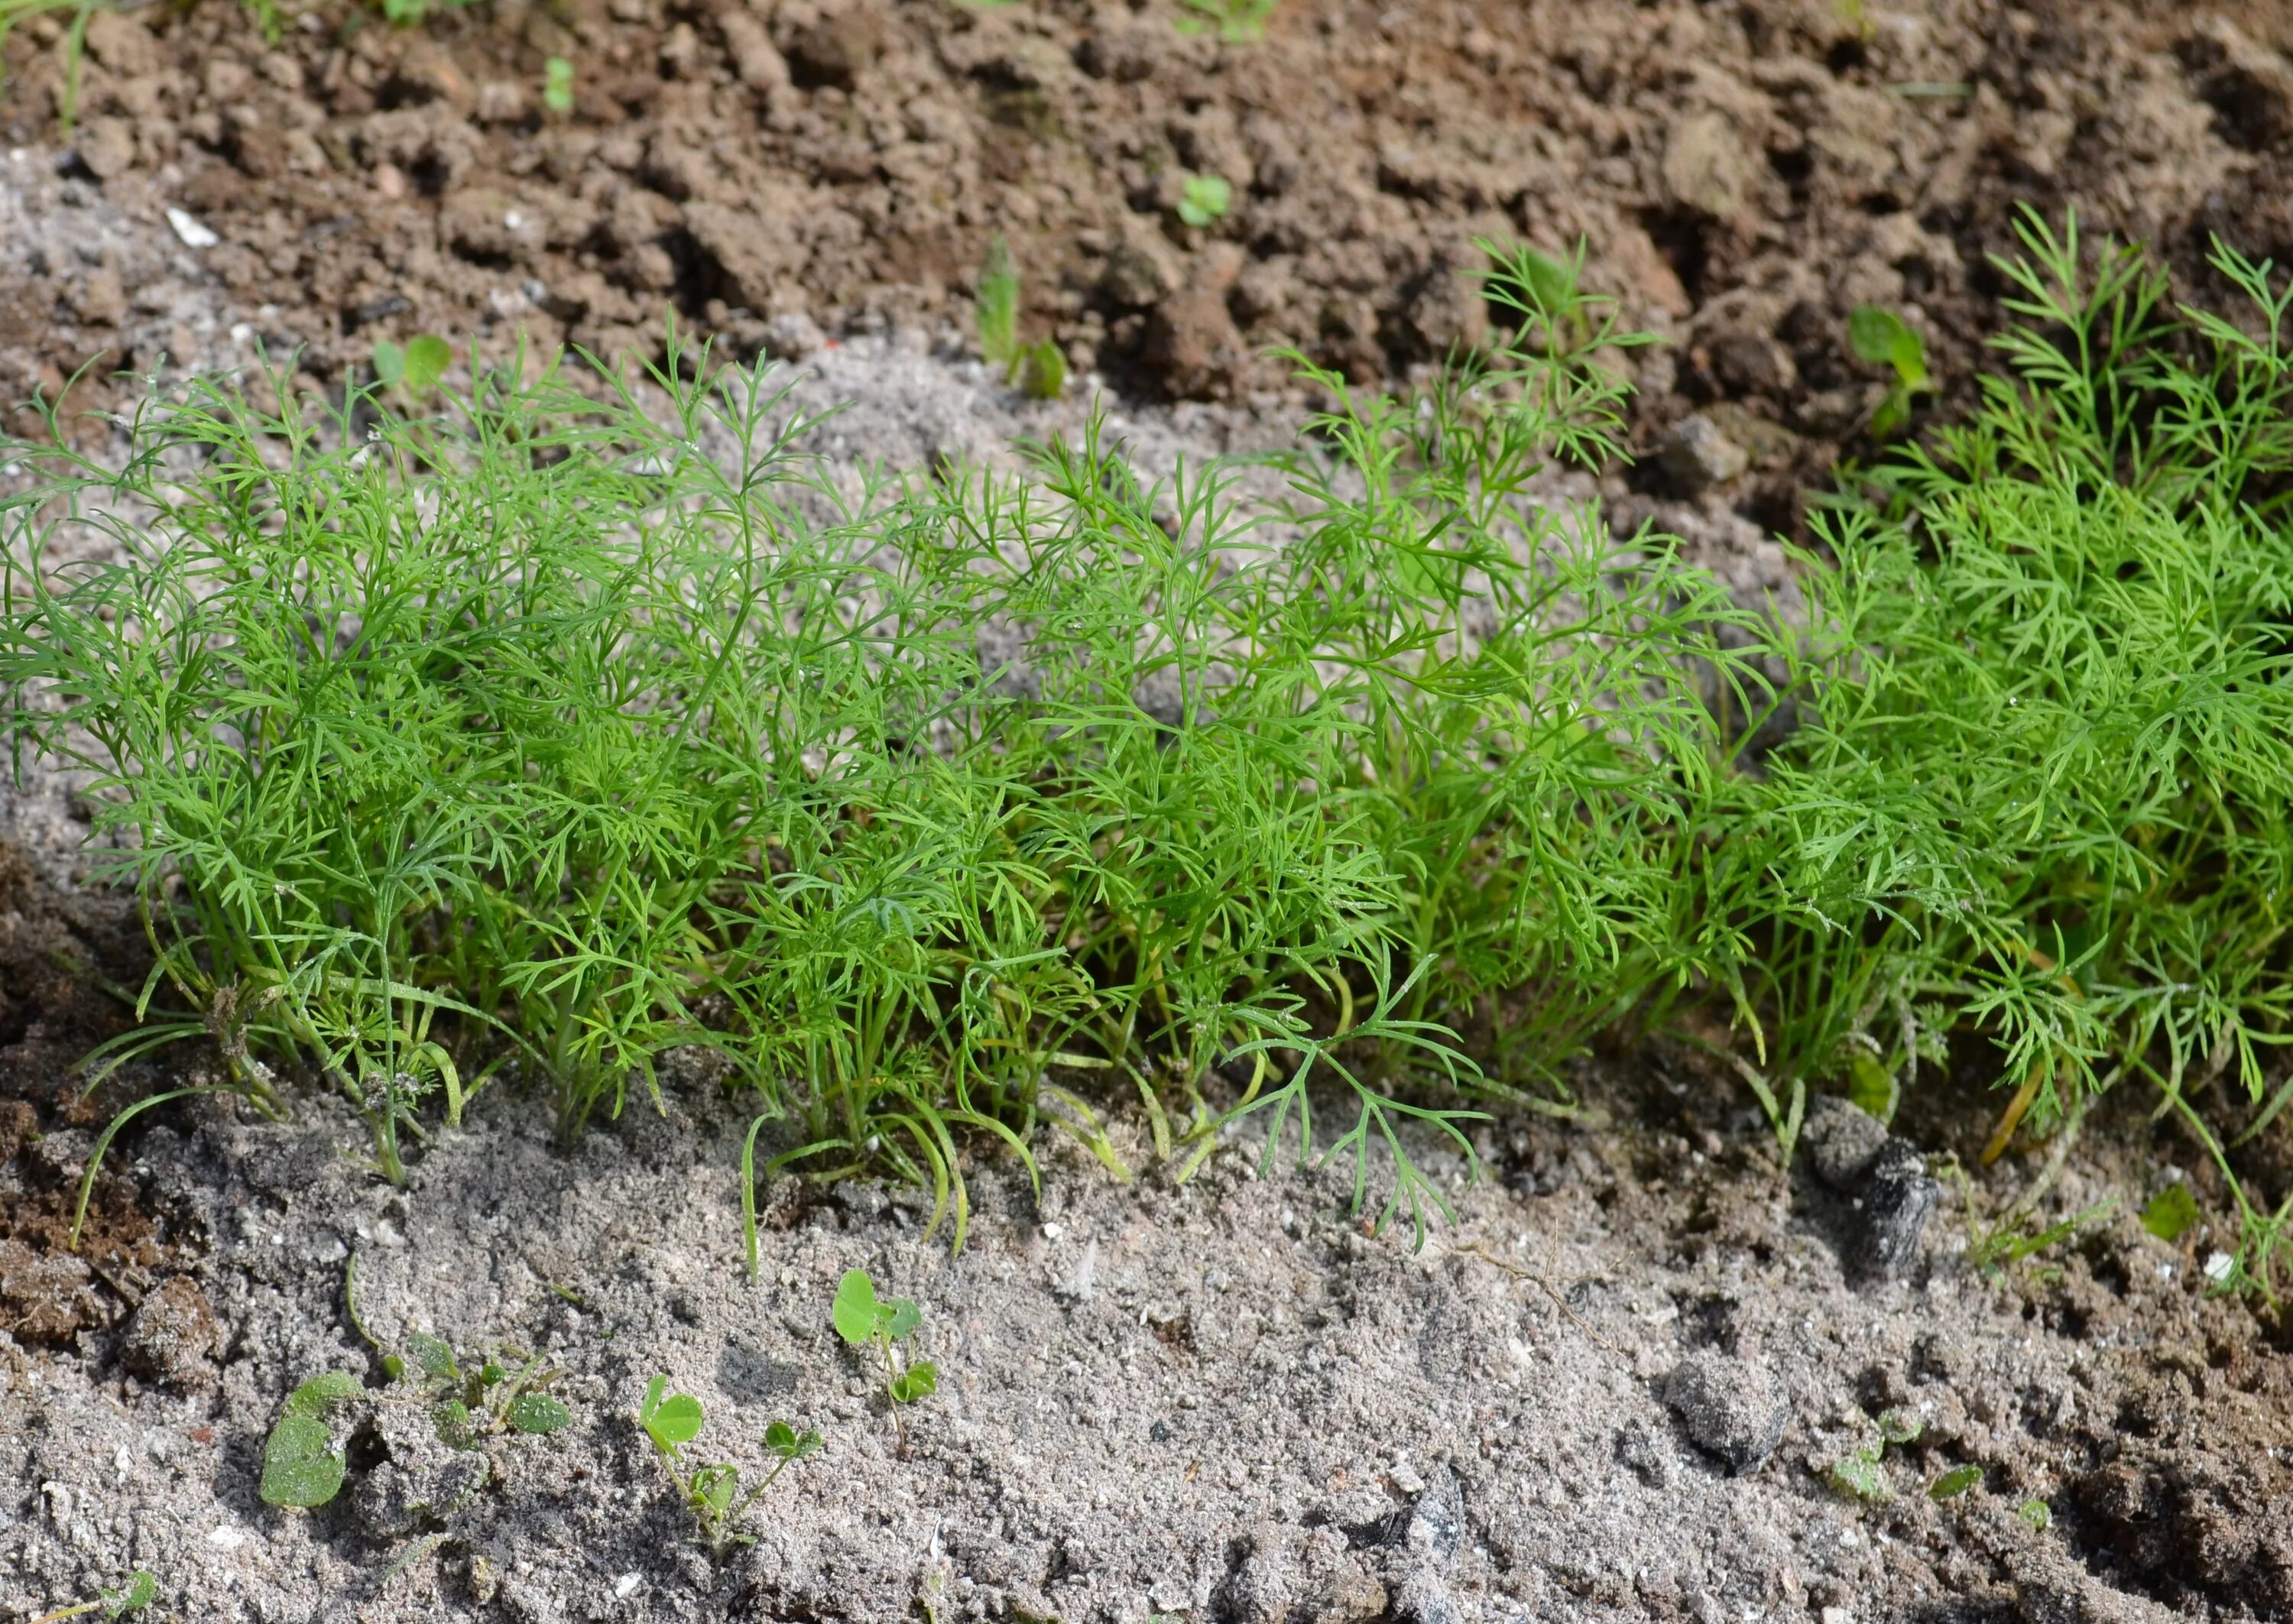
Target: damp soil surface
column 775, row 173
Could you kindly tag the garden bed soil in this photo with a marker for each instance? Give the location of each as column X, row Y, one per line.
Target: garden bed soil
column 1225, row 1400
column 781, row 170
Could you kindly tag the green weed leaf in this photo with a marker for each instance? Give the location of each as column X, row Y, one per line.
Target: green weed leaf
column 2037, row 1513
column 899, row 1319
column 1900, row 1427
column 1858, row 1477
column 389, row 364
column 1954, row 1482
column 1205, row 199
column 432, row 1357
column 140, row 1590
column 919, row 1380
column 315, row 1396
column 784, row 1441
column 427, row 357
column 856, row 1314
column 1879, row 336
column 715, row 1487
column 538, row 1413
column 672, row 1418
column 557, row 86
column 450, row 1420
column 2171, row 1213
column 995, row 309
column 299, row 1465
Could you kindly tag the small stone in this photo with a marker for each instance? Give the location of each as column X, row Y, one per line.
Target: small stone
column 171, row 1336
column 1421, row 1597
column 1698, row 455
column 1082, row 1283
column 1647, row 1453
column 1729, row 1407
column 1142, row 270
column 1192, row 347
column 383, row 1504
column 192, row 233
column 755, row 59
column 835, row 50
column 1436, row 1522
column 1841, row 1139
column 1898, row 1200
column 1263, row 1587
column 792, row 335
column 107, row 146
column 1705, row 167
column 1353, row 1595
column 1752, row 363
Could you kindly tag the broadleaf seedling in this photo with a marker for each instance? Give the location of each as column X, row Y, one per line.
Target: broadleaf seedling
column 1857, row 1475
column 2037, row 1513
column 1205, row 199
column 1880, row 336
column 862, row 1319
column 140, row 1590
column 415, row 369
column 712, row 1492
column 2171, row 1213
column 1955, row 1483
column 301, row 1465
column 557, row 86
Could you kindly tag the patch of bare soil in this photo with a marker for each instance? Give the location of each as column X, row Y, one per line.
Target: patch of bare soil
column 1744, row 174
column 1615, row 1389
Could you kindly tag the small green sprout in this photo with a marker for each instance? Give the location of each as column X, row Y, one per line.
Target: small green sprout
column 2171, row 1213
column 557, row 86
column 996, row 309
column 1041, row 371
column 301, row 1465
column 1238, row 23
column 1955, row 1483
column 1880, row 336
column 1857, row 1475
column 2037, row 1513
column 415, row 369
column 861, row 1319
column 1038, row 370
column 1205, row 199
column 712, row 1493
column 140, row 1590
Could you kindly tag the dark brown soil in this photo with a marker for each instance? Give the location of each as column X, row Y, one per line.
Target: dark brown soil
column 1743, row 175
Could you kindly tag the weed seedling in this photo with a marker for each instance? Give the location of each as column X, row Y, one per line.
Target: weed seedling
column 415, row 370
column 2037, row 1513
column 862, row 1320
column 1038, row 370
column 1857, row 1475
column 1955, row 1483
column 301, row 1467
column 995, row 309
column 2171, row 1213
column 712, row 1493
column 1205, row 199
column 1880, row 336
column 1238, row 23
column 557, row 86
column 140, row 1590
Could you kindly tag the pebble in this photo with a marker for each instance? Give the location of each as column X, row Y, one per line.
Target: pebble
column 1730, row 1407
column 1698, row 454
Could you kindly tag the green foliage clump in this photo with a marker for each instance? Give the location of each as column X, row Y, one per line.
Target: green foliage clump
column 1038, row 370
column 1205, row 199
column 551, row 735
column 1237, row 22
column 1880, row 336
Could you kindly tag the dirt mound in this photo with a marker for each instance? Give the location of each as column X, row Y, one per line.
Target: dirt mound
column 1744, row 175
